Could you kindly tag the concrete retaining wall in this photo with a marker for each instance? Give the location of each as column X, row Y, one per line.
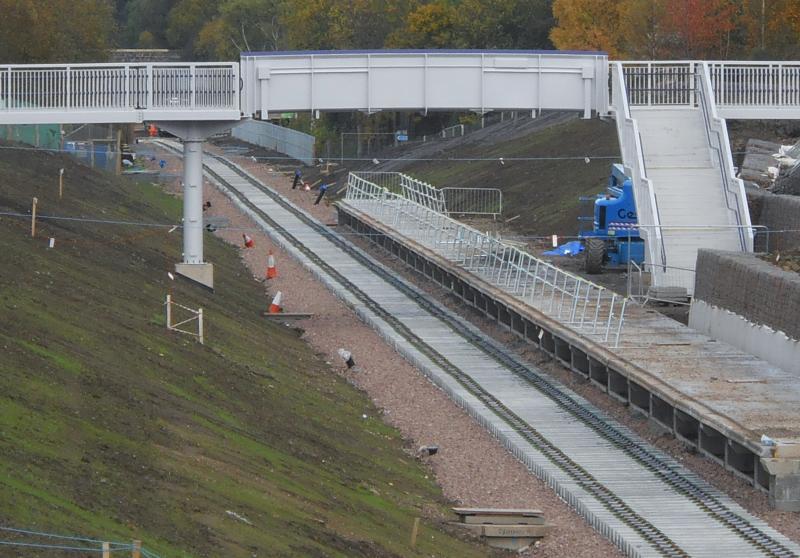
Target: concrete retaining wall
column 764, row 299
column 290, row 142
column 777, row 213
column 758, row 340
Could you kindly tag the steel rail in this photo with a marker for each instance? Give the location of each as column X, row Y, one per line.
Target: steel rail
column 665, row 468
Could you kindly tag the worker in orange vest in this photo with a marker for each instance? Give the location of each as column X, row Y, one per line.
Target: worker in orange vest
column 152, row 131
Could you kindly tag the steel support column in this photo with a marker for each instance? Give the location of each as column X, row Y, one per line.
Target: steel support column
column 193, row 134
column 192, row 201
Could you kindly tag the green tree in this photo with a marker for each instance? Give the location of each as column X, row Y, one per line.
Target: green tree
column 512, row 24
column 242, row 25
column 146, row 15
column 185, row 20
column 342, row 24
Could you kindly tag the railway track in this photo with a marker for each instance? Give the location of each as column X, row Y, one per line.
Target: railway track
column 637, row 496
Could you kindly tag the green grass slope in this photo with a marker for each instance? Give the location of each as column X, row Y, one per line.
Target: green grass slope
column 111, row 427
column 543, row 193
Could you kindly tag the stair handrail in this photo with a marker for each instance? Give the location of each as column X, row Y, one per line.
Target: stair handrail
column 719, row 142
column 633, row 160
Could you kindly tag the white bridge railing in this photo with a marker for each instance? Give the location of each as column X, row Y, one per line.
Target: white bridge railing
column 756, row 84
column 719, row 142
column 740, row 89
column 110, row 87
column 633, row 161
column 590, row 309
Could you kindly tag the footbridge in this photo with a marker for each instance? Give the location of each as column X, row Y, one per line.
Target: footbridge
column 670, row 118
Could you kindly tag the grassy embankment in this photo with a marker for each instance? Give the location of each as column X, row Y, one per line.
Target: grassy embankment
column 111, row 427
column 543, row 193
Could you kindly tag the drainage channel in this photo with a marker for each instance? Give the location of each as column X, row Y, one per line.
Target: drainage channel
column 697, row 494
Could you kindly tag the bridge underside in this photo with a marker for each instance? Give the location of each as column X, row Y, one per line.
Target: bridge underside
column 112, row 116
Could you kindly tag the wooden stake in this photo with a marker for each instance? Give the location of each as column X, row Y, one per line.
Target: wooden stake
column 106, row 550
column 414, row 532
column 136, row 552
column 60, row 183
column 33, row 218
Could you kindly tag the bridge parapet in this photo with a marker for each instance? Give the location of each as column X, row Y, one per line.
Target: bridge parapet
column 80, row 93
column 742, row 89
column 424, row 80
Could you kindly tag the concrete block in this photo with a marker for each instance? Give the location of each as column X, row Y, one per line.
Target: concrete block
column 202, row 274
column 784, row 483
column 510, row 537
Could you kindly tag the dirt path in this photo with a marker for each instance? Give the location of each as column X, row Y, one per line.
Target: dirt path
column 472, row 468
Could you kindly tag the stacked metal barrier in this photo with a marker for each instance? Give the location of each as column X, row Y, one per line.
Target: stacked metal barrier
column 456, row 201
column 473, row 201
column 590, row 309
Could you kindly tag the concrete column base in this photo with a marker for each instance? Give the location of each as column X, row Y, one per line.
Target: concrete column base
column 202, row 273
column 784, row 483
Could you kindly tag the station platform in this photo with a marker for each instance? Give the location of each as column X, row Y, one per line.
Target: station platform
column 710, row 395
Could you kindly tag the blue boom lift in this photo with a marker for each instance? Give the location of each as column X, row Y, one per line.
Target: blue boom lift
column 614, row 238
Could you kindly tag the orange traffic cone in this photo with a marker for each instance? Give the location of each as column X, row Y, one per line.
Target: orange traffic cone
column 248, row 241
column 272, row 271
column 275, row 307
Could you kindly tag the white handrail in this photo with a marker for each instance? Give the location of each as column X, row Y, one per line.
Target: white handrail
column 717, row 137
column 633, row 161
column 120, row 87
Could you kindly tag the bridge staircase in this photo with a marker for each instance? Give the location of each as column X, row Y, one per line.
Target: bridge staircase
column 676, row 149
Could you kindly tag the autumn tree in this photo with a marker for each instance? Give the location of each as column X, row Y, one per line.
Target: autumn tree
column 645, row 35
column 432, row 25
column 699, row 28
column 588, row 25
column 768, row 29
column 55, row 31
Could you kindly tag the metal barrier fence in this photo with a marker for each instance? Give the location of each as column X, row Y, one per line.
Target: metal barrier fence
column 453, row 201
column 473, row 201
column 388, row 180
column 119, row 86
column 297, row 145
column 422, row 193
column 640, row 287
column 585, row 307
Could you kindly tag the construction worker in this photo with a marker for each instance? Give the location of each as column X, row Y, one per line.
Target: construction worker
column 152, row 131
column 322, row 189
column 297, row 176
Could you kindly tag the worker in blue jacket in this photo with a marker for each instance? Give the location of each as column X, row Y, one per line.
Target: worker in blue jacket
column 297, row 176
column 322, row 190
